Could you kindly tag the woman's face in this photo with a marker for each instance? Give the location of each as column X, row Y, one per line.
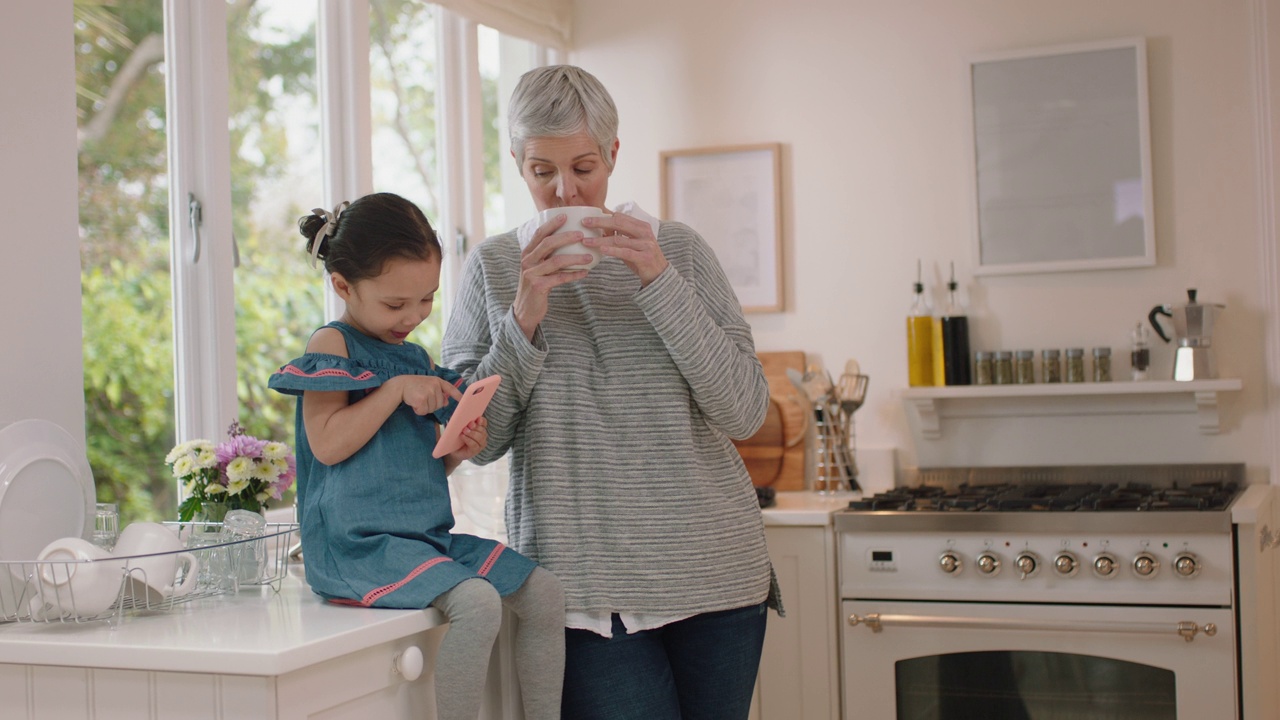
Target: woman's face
column 565, row 171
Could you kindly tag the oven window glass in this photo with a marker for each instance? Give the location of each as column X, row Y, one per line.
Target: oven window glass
column 1018, row 685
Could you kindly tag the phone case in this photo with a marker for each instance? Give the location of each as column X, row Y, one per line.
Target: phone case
column 471, row 406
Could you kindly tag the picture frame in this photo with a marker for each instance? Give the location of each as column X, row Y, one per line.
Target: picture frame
column 732, row 196
column 1061, row 159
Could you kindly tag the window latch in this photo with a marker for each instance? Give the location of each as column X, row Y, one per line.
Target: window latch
column 195, row 215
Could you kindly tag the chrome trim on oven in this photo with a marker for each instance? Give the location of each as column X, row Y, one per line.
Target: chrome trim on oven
column 1187, row 629
column 1044, row 522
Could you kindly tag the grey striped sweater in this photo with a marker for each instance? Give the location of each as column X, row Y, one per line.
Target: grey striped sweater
column 618, row 417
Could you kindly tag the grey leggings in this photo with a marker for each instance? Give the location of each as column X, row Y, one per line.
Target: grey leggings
column 474, row 611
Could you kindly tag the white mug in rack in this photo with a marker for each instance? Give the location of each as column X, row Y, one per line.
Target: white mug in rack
column 152, row 555
column 574, row 215
column 74, row 578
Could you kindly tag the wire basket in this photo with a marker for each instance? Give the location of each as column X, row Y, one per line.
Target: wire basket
column 43, row 591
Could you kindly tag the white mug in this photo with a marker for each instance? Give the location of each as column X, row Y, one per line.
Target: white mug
column 153, row 555
column 74, row 578
column 574, row 216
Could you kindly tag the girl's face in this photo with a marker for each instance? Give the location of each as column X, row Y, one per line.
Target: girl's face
column 565, row 171
column 388, row 307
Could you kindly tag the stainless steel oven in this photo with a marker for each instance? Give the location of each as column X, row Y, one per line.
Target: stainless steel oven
column 1043, row 593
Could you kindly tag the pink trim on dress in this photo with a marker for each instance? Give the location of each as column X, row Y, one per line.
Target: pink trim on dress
column 372, row 596
column 489, row 561
column 293, row 370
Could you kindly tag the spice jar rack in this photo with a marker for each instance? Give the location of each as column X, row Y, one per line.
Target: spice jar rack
column 932, row 405
column 21, row 581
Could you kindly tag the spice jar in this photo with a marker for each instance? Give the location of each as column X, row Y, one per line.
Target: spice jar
column 1102, row 364
column 1051, row 366
column 1024, row 370
column 1003, row 368
column 982, row 368
column 1075, row 365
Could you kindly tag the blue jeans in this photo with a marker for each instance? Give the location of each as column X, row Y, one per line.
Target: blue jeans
column 700, row 668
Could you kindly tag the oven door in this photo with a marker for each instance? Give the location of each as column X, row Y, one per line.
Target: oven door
column 955, row 661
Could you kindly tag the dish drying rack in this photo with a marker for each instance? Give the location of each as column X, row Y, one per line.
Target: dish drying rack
column 20, row 581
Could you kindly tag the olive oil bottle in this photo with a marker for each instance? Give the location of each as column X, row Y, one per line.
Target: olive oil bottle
column 920, row 334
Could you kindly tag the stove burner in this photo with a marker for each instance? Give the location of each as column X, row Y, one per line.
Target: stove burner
column 1051, row 497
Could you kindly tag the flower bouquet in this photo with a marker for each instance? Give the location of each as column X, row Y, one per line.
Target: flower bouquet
column 241, row 472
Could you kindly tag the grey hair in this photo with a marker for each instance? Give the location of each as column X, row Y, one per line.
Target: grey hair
column 559, row 101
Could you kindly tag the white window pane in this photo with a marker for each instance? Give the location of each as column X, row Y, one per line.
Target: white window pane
column 503, row 59
column 404, row 102
column 275, row 178
column 124, row 232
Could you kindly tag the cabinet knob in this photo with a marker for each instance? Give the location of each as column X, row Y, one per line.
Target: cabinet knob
column 409, row 663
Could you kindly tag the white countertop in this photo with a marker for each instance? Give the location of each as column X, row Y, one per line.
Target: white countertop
column 806, row 507
column 254, row 632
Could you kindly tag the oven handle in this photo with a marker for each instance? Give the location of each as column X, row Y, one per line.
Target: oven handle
column 1186, row 629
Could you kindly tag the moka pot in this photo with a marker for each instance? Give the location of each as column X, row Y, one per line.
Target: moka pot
column 1193, row 329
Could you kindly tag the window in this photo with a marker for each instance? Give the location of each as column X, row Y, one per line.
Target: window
column 195, row 167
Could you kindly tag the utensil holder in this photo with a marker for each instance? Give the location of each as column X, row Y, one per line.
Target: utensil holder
column 831, row 460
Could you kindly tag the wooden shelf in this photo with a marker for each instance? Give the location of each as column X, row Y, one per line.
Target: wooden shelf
column 934, row 404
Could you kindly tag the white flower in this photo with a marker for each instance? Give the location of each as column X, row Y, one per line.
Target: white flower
column 263, row 496
column 190, row 487
column 205, row 457
column 236, row 486
column 183, row 466
column 239, row 470
column 279, row 466
column 214, row 489
column 275, row 451
column 177, row 451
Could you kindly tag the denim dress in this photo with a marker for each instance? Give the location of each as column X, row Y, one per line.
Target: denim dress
column 376, row 526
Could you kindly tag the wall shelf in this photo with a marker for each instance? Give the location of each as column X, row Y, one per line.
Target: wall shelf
column 932, row 405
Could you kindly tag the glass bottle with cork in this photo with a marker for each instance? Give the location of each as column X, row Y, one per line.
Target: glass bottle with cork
column 919, row 337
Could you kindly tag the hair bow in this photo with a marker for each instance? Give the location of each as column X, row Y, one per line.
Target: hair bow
column 328, row 229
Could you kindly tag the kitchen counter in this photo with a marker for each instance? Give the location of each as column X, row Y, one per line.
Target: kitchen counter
column 254, row 632
column 805, row 507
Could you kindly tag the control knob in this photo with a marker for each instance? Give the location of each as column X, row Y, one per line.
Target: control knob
column 950, row 563
column 1028, row 563
column 1066, row 563
column 988, row 564
column 1145, row 565
column 1185, row 565
column 1104, row 565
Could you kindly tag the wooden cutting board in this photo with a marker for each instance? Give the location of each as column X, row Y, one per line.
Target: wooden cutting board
column 774, row 456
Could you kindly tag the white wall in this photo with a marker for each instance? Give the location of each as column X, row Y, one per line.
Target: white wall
column 868, row 99
column 41, row 365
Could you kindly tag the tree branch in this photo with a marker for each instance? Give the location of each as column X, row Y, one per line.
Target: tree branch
column 145, row 54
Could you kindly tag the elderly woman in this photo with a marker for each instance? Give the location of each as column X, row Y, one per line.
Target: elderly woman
column 623, row 386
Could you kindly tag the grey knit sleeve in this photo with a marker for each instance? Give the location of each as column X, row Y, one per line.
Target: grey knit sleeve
column 699, row 318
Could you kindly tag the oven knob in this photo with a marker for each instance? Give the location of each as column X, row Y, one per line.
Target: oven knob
column 1186, row 565
column 1066, row 564
column 1027, row 563
column 1145, row 565
column 950, row 563
column 989, row 563
column 1104, row 565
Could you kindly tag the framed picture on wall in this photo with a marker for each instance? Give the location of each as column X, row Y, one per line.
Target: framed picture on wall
column 731, row 195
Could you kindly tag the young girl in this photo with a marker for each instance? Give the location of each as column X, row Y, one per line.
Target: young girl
column 373, row 503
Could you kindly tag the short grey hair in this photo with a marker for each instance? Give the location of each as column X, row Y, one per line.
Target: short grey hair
column 559, row 101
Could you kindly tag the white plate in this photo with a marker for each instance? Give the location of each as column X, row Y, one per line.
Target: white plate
column 46, row 488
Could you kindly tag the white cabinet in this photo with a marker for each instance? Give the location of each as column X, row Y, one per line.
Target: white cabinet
column 358, row 685
column 799, row 671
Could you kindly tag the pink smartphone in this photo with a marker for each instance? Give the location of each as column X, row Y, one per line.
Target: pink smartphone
column 470, row 407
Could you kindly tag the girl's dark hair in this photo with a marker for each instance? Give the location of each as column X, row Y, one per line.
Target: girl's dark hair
column 372, row 230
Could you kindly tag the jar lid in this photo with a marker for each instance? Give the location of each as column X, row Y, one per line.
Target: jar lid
column 982, row 355
column 1075, row 352
column 1025, row 354
column 244, row 523
column 1101, row 351
column 1050, row 353
column 1003, row 355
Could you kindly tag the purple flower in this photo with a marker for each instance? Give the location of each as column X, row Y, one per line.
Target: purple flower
column 239, row 446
